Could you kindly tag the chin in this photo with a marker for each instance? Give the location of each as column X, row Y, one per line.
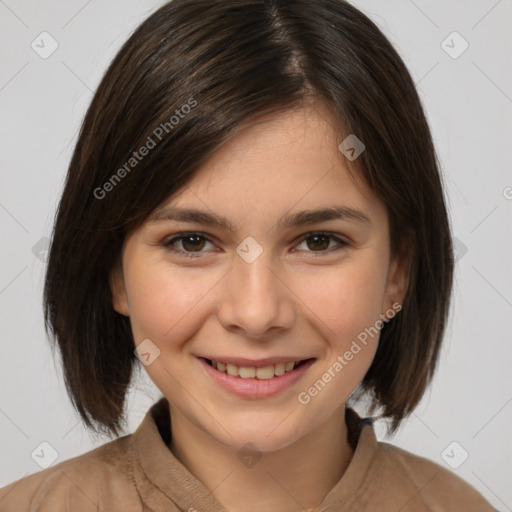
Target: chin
column 267, row 432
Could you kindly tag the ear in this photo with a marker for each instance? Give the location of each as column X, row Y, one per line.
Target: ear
column 398, row 279
column 118, row 291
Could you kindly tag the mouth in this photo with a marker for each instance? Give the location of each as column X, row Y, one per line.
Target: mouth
column 246, row 371
column 255, row 380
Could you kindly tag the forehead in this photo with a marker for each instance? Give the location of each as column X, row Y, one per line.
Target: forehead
column 284, row 162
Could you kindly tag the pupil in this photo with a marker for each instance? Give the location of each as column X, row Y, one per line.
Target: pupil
column 325, row 245
column 193, row 245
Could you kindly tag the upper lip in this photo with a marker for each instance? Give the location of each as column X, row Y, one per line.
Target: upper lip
column 256, row 363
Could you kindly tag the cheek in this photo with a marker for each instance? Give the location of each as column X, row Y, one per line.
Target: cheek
column 345, row 299
column 165, row 301
column 347, row 303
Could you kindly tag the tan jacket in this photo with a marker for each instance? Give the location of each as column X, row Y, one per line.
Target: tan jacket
column 138, row 473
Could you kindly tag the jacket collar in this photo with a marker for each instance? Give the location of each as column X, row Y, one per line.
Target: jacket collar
column 163, row 482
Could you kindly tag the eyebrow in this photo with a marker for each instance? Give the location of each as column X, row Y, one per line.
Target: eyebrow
column 287, row 221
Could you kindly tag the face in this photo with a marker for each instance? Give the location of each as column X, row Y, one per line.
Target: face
column 277, row 299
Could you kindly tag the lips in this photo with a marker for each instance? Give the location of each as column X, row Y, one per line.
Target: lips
column 258, row 381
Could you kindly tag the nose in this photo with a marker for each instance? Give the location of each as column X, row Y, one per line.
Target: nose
column 256, row 300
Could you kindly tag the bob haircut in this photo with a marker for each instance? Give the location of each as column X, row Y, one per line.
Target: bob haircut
column 191, row 75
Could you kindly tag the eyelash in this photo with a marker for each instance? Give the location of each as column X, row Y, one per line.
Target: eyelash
column 170, row 242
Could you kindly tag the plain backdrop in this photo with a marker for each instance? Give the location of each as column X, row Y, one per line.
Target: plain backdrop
column 465, row 82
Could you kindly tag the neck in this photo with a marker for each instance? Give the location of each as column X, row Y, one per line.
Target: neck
column 301, row 474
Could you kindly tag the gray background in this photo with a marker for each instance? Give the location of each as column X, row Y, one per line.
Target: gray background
column 468, row 100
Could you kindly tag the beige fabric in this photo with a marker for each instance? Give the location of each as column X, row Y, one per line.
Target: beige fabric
column 138, row 473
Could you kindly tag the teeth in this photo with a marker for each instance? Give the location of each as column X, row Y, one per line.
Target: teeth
column 279, row 369
column 247, row 372
column 265, row 372
column 232, row 370
column 250, row 372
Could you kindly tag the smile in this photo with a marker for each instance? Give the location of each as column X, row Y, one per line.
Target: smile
column 252, row 372
column 255, row 379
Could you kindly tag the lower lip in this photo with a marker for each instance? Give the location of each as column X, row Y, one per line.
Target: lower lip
column 256, row 388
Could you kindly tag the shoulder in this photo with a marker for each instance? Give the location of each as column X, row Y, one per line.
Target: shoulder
column 430, row 485
column 79, row 483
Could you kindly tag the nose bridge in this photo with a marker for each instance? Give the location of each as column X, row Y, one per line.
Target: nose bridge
column 257, row 300
column 256, row 277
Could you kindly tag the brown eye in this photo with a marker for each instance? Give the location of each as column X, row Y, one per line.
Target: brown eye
column 192, row 244
column 318, row 242
column 321, row 242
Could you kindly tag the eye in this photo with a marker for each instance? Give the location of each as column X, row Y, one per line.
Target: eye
column 321, row 242
column 190, row 243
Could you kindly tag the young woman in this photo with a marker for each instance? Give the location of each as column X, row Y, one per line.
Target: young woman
column 254, row 211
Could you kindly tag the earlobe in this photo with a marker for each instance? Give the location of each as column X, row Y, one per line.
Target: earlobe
column 118, row 291
column 398, row 280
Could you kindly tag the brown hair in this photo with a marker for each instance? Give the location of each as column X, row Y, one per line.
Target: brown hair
column 192, row 74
